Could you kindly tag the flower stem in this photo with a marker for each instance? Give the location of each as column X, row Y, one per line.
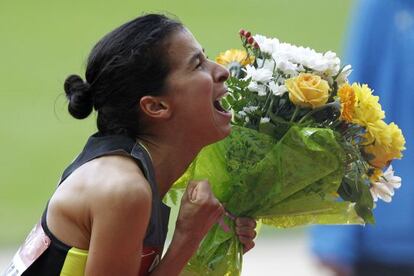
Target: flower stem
column 269, row 107
column 332, row 104
column 307, row 115
column 277, row 119
column 336, row 123
column 266, row 105
column 295, row 113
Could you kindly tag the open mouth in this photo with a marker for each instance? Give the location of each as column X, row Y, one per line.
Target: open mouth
column 218, row 106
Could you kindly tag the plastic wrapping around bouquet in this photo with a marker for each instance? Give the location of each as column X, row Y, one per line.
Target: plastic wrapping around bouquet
column 285, row 183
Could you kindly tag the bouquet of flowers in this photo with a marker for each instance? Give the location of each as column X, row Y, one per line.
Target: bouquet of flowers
column 307, row 147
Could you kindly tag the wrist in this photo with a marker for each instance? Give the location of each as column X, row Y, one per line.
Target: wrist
column 184, row 233
column 179, row 252
column 185, row 240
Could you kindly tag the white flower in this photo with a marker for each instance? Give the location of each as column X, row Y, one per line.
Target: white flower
column 284, row 65
column 327, row 63
column 291, row 59
column 262, row 92
column 343, row 76
column 277, row 90
column 268, row 64
column 241, row 113
column 250, row 109
column 301, row 68
column 259, row 88
column 384, row 187
column 267, row 45
column 258, row 74
column 264, row 120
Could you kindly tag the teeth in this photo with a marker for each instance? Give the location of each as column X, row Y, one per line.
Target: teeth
column 218, row 106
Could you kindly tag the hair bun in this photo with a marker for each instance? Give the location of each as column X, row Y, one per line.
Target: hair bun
column 79, row 96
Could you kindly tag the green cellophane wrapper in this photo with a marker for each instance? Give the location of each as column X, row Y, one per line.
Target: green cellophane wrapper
column 285, row 183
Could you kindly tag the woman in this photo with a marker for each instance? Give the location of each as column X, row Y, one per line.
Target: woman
column 157, row 101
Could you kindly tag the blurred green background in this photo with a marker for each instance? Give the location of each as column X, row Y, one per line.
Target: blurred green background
column 41, row 42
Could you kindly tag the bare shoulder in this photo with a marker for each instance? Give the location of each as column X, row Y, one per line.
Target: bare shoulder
column 116, row 182
column 111, row 189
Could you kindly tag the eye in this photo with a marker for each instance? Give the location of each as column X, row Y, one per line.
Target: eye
column 200, row 63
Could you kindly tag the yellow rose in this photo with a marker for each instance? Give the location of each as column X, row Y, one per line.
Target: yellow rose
column 307, row 90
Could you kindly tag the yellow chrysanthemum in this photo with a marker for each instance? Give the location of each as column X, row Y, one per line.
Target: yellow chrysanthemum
column 380, row 156
column 367, row 109
column 386, row 146
column 377, row 132
column 348, row 99
column 234, row 56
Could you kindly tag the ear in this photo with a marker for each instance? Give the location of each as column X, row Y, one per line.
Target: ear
column 155, row 107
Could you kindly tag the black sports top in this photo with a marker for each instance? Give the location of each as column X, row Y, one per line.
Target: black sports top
column 43, row 254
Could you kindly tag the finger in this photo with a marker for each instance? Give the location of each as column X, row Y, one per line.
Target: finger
column 246, row 222
column 247, row 243
column 246, row 232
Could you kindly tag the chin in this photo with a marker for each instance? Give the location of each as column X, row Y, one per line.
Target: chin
column 226, row 132
column 222, row 133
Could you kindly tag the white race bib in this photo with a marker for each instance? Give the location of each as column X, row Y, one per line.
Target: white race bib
column 33, row 247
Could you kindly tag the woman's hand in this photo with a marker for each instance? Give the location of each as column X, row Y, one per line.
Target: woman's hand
column 245, row 231
column 199, row 211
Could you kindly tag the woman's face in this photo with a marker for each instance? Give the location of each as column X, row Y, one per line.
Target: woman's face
column 194, row 87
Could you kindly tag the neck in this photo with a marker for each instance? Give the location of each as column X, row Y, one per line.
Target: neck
column 170, row 159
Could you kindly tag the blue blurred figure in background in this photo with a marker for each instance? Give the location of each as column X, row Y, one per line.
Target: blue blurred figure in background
column 380, row 49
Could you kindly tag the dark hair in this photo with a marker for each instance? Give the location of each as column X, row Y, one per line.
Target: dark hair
column 125, row 65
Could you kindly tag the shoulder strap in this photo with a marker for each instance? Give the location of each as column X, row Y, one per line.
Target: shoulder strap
column 97, row 146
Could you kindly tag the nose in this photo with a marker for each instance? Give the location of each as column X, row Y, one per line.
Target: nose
column 220, row 73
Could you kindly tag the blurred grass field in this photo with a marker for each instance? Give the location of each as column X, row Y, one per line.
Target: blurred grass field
column 43, row 41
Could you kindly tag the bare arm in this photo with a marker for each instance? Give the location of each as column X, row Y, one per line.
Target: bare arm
column 120, row 215
column 120, row 219
column 199, row 211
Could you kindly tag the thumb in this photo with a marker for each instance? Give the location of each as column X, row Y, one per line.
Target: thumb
column 198, row 190
column 191, row 186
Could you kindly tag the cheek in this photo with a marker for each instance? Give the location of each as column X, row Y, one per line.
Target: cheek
column 195, row 94
column 204, row 82
column 200, row 93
